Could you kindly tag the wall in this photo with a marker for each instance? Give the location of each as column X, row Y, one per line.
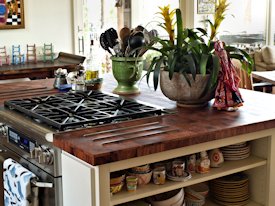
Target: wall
column 46, row 21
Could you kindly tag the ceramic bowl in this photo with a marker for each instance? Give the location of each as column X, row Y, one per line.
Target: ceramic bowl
column 175, row 198
column 141, row 169
column 117, row 178
column 201, row 188
column 143, row 178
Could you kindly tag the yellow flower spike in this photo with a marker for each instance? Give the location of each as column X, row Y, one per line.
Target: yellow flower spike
column 168, row 25
column 221, row 8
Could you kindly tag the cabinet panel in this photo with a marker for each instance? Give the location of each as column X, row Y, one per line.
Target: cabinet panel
column 259, row 167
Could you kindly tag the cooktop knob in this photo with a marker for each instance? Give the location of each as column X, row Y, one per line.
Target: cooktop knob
column 32, row 153
column 40, row 159
column 37, row 152
column 46, row 157
column 50, row 157
column 3, row 129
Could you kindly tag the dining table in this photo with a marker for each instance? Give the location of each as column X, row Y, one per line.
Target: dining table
column 266, row 76
column 264, row 80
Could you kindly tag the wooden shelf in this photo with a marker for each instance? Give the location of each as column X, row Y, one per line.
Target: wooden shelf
column 229, row 167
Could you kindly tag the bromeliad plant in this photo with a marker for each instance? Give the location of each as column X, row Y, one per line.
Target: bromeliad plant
column 190, row 52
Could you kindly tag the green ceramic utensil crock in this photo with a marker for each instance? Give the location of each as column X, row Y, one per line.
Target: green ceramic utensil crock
column 127, row 71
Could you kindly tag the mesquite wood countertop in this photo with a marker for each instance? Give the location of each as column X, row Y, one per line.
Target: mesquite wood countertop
column 119, row 141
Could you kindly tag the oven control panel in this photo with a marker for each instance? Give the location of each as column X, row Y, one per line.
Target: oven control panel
column 20, row 140
column 42, row 153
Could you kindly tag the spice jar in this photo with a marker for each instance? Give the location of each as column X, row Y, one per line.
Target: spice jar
column 191, row 163
column 178, row 167
column 159, row 175
column 203, row 163
column 216, row 157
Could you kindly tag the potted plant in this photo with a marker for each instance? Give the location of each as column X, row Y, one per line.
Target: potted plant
column 187, row 66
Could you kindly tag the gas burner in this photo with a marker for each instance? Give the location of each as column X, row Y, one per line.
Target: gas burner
column 81, row 109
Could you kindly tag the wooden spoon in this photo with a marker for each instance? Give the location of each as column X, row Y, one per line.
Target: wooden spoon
column 124, row 35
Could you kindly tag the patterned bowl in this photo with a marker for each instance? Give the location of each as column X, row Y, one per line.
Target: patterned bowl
column 143, row 178
column 117, row 178
column 141, row 169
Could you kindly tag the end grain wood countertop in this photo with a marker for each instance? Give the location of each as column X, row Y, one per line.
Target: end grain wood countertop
column 119, row 141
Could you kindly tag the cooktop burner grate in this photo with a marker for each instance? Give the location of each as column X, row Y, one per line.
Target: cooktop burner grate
column 81, row 109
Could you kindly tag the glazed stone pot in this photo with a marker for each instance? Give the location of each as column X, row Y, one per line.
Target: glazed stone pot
column 178, row 89
column 127, row 71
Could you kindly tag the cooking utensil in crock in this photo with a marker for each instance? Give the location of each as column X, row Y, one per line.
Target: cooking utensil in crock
column 108, row 40
column 124, row 35
column 135, row 41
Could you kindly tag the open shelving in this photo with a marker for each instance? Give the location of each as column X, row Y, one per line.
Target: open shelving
column 228, row 167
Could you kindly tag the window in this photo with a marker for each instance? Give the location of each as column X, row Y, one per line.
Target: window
column 245, row 23
column 95, row 16
column 144, row 13
column 273, row 22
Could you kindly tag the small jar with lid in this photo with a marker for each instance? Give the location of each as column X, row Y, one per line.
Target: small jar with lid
column 203, row 163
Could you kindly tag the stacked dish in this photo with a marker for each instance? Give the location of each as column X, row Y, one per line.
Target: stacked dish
column 195, row 194
column 236, row 151
column 143, row 173
column 175, row 198
column 186, row 176
column 230, row 190
column 117, row 181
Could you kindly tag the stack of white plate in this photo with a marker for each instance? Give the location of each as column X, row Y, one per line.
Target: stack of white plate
column 230, row 190
column 236, row 151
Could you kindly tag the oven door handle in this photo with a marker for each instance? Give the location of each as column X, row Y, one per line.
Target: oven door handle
column 41, row 184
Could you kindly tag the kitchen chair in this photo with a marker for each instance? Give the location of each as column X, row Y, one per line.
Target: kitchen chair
column 31, row 53
column 17, row 56
column 48, row 52
column 247, row 81
column 4, row 56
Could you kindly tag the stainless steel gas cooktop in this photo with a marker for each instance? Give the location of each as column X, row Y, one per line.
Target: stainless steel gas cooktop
column 81, row 109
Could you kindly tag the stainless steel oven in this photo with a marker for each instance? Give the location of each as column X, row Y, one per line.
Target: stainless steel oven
column 49, row 187
column 30, row 125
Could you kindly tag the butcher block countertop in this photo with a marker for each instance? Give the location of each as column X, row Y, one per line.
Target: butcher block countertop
column 135, row 138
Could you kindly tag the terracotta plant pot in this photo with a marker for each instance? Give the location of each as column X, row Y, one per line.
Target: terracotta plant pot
column 178, row 89
column 127, row 71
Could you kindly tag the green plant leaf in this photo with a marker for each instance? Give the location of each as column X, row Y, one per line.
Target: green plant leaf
column 150, row 69
column 171, row 63
column 191, row 65
column 179, row 28
column 215, row 70
column 203, row 31
column 186, row 78
column 157, row 72
column 203, row 63
column 243, row 56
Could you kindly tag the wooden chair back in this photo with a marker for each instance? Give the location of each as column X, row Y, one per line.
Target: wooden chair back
column 4, row 56
column 31, row 53
column 17, row 56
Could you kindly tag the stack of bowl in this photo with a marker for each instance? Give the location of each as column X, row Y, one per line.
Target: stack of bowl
column 175, row 198
column 195, row 194
column 117, row 181
column 143, row 173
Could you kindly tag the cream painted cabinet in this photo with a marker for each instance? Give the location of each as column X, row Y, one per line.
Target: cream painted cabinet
column 90, row 184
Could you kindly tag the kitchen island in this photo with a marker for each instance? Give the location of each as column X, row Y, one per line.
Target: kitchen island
column 87, row 164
